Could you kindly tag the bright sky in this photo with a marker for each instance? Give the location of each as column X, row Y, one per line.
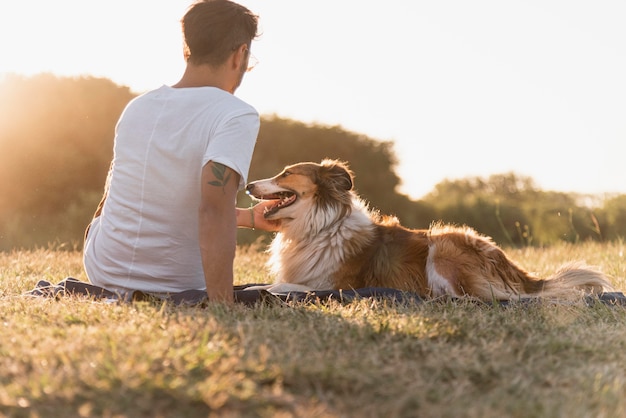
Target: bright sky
column 463, row 88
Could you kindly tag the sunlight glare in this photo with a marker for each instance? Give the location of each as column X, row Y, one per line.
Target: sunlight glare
column 75, row 37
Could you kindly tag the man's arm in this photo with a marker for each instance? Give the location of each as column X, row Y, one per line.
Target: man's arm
column 218, row 229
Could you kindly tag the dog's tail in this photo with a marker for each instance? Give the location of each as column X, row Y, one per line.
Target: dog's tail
column 572, row 280
column 510, row 282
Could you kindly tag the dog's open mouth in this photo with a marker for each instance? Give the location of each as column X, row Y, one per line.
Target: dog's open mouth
column 283, row 199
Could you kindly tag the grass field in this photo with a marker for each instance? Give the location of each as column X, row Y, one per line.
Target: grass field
column 74, row 357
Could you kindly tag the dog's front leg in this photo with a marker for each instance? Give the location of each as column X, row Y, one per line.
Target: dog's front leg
column 281, row 288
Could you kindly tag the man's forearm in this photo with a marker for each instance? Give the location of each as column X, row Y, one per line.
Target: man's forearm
column 217, row 247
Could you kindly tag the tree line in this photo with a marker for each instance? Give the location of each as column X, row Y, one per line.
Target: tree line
column 56, row 138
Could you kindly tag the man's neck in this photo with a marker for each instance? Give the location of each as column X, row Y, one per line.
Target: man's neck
column 204, row 76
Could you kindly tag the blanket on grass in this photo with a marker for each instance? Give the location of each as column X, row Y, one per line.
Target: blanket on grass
column 71, row 286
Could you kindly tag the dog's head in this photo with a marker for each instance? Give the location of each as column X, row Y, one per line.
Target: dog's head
column 305, row 185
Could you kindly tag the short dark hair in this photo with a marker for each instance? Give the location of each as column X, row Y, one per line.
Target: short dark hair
column 213, row 29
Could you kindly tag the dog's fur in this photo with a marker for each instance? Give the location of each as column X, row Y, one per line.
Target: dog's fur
column 329, row 239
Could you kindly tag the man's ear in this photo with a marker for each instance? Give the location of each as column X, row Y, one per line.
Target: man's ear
column 186, row 51
column 239, row 56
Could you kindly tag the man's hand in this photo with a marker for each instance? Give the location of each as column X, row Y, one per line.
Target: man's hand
column 254, row 217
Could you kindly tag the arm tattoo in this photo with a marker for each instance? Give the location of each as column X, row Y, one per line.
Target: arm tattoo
column 220, row 173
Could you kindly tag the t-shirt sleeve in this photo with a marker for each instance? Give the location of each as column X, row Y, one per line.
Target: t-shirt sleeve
column 232, row 143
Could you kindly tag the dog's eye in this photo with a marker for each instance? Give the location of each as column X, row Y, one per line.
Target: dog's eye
column 286, row 173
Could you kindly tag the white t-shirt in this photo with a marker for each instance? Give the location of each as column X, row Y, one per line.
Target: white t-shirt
column 146, row 237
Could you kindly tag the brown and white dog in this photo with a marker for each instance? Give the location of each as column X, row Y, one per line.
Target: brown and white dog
column 329, row 239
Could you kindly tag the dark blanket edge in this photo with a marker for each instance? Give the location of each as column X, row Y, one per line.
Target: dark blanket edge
column 72, row 286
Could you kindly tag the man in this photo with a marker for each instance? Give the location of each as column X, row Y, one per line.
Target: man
column 167, row 221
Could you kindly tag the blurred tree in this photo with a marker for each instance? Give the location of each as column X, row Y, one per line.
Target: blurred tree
column 493, row 206
column 512, row 210
column 611, row 218
column 56, row 137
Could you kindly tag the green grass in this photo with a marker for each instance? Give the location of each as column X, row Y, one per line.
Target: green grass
column 73, row 357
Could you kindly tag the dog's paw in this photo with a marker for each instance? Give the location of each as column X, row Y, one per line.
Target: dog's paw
column 281, row 288
column 259, row 287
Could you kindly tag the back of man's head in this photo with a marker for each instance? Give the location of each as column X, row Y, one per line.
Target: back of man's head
column 213, row 29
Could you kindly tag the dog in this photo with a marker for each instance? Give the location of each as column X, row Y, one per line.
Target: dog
column 328, row 238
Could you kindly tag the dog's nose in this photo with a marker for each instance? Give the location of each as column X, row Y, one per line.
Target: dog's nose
column 249, row 188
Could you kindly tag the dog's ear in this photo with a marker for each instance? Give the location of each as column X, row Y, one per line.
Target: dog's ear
column 338, row 172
